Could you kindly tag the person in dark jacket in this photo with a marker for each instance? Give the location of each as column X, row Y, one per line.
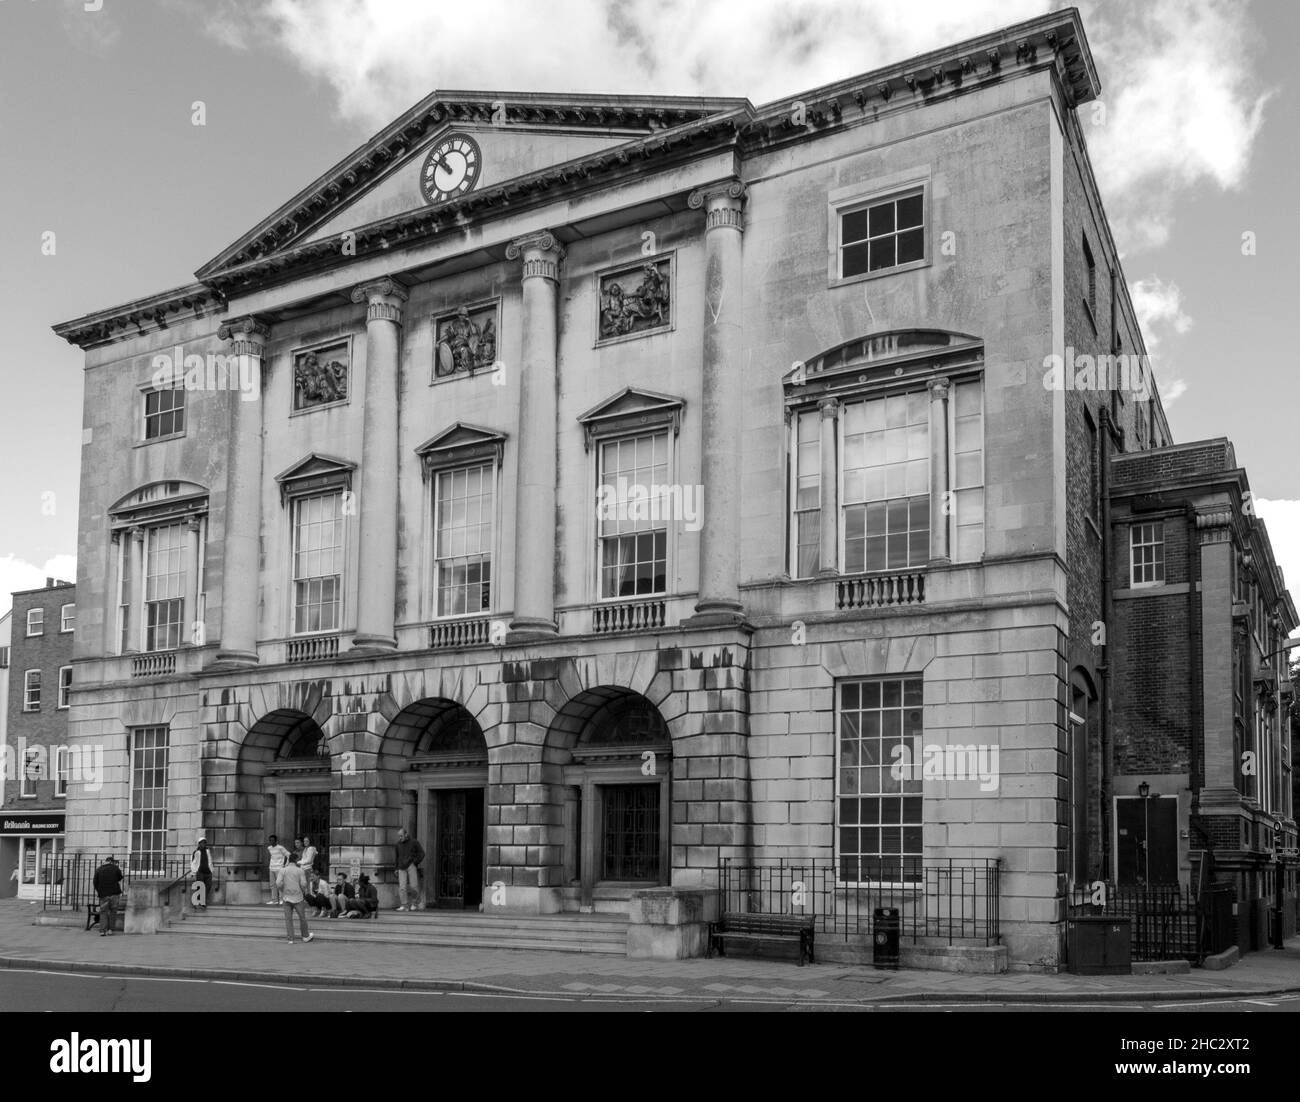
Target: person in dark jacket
column 342, row 896
column 108, row 886
column 366, row 903
column 408, row 859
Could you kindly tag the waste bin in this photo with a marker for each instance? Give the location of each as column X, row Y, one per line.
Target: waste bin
column 1099, row 946
column 886, row 924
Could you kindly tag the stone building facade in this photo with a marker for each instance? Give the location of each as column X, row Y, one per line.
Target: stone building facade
column 38, row 773
column 605, row 487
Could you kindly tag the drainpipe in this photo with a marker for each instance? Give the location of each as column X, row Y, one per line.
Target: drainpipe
column 1195, row 658
column 1107, row 619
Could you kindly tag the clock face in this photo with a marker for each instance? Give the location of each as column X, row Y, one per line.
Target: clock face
column 451, row 168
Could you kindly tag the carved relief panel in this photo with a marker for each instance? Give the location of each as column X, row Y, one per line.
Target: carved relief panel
column 635, row 299
column 322, row 376
column 465, row 340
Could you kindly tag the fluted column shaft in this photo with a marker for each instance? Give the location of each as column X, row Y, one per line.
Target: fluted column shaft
column 719, row 594
column 377, row 504
column 534, row 613
column 242, row 542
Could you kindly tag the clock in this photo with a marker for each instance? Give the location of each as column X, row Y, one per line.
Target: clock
column 451, row 168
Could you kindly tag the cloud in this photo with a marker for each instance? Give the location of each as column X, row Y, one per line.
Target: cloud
column 1159, row 309
column 16, row 574
column 380, row 56
column 90, row 29
column 1282, row 518
column 1182, row 107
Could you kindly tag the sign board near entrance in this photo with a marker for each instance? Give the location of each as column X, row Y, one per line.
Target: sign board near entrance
column 32, row 824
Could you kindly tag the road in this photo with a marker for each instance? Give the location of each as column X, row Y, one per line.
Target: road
column 89, row 992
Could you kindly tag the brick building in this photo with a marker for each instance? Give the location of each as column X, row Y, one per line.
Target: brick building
column 1198, row 617
column 607, row 486
column 36, row 764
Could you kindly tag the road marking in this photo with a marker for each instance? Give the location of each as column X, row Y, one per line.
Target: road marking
column 237, row 983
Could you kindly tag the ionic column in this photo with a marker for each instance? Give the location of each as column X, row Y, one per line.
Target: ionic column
column 135, row 620
column 940, row 479
column 377, row 504
column 719, row 594
column 193, row 557
column 241, row 545
column 829, row 510
column 534, row 615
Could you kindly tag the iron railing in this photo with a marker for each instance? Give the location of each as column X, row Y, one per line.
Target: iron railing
column 1168, row 921
column 68, row 879
column 952, row 900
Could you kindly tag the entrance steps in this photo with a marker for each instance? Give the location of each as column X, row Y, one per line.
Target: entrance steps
column 565, row 933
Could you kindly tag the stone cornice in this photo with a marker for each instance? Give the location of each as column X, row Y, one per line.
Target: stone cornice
column 142, row 316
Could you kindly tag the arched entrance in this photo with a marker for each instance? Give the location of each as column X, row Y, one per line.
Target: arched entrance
column 441, row 754
column 284, row 775
column 617, row 796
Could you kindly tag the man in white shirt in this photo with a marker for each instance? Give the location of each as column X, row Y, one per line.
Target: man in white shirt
column 293, row 889
column 279, row 857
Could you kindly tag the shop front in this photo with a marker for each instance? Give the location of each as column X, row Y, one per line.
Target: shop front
column 27, row 842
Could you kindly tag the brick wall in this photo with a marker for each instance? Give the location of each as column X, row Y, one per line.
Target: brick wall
column 47, row 727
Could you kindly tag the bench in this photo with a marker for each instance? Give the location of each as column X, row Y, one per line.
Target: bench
column 761, row 928
column 92, row 912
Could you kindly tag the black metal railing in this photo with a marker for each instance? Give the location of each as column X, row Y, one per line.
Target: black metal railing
column 68, row 879
column 953, row 900
column 1168, row 921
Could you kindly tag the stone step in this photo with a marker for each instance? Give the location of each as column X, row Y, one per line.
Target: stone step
column 357, row 931
column 574, row 933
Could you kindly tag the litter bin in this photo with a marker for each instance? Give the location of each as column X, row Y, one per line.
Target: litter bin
column 1099, row 946
column 886, row 925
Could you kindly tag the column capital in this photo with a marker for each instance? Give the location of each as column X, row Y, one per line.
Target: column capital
column 939, row 388
column 137, row 534
column 247, row 335
column 830, row 408
column 1214, row 525
column 541, row 254
column 383, row 298
column 193, row 523
column 722, row 202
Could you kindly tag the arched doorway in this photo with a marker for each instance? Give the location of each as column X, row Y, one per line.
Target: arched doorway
column 617, row 796
column 443, row 760
column 284, row 771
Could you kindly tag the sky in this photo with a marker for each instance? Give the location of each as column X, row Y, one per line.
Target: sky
column 1195, row 145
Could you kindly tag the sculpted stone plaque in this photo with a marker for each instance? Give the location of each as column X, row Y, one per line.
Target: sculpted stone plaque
column 635, row 299
column 321, row 376
column 465, row 341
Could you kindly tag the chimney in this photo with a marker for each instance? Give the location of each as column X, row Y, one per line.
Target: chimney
column 49, row 583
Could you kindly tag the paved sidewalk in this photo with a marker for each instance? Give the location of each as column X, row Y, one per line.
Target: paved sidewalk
column 24, row 945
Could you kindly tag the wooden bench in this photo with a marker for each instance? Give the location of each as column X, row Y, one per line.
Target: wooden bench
column 761, row 928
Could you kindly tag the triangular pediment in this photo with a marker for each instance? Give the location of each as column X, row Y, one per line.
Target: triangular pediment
column 631, row 409
column 512, row 135
column 316, row 467
column 460, row 443
column 629, row 401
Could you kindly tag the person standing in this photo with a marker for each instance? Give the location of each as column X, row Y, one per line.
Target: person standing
column 307, row 860
column 279, row 855
column 409, row 857
column 293, row 891
column 201, row 868
column 108, row 886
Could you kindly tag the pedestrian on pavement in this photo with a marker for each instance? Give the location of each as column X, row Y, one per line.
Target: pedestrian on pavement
column 292, row 884
column 201, row 868
column 279, row 855
column 108, row 886
column 409, row 857
column 342, row 894
column 366, row 903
